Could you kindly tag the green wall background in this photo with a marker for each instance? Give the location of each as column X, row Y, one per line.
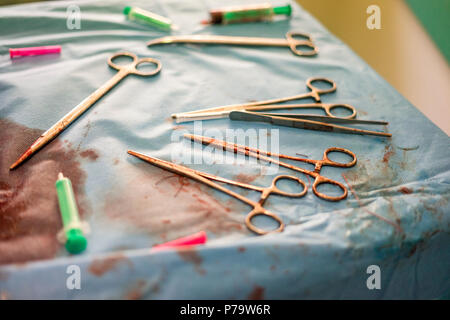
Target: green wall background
column 435, row 17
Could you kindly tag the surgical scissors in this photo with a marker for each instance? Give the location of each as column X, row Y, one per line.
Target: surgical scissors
column 267, row 156
column 64, row 122
column 290, row 41
column 314, row 93
column 205, row 178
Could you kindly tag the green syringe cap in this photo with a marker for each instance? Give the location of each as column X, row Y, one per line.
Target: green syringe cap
column 76, row 241
column 287, row 10
column 126, row 10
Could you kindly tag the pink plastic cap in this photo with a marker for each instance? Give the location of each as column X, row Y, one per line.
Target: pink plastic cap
column 193, row 239
column 33, row 51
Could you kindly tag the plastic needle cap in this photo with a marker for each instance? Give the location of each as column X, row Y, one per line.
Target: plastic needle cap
column 148, row 17
column 75, row 239
column 191, row 240
column 287, row 10
column 33, row 51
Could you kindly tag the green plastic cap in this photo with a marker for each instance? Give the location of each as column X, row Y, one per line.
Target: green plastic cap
column 287, row 10
column 126, row 10
column 76, row 242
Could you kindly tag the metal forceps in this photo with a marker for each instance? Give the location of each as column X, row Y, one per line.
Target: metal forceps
column 267, row 156
column 64, row 122
column 311, row 122
column 205, row 178
column 314, row 93
column 290, row 41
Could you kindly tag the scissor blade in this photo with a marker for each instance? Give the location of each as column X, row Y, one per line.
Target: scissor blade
column 301, row 123
column 250, row 152
column 179, row 118
column 190, row 173
column 229, row 146
column 176, row 168
column 223, row 111
column 170, row 166
column 325, row 118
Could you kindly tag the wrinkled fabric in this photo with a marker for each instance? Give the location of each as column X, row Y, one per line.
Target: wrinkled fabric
column 326, row 247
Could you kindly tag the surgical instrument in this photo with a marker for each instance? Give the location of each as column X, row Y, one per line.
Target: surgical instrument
column 315, row 93
column 290, row 41
column 205, row 178
column 64, row 122
column 312, row 122
column 271, row 157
